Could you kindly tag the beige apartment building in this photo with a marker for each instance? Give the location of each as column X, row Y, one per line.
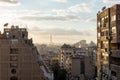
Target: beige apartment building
column 18, row 56
column 108, row 43
column 82, row 68
column 65, row 56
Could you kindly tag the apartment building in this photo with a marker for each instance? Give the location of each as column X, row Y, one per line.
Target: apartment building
column 79, row 62
column 18, row 56
column 108, row 43
column 83, row 68
column 65, row 54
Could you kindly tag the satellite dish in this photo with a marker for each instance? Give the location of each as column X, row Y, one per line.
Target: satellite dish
column 6, row 24
column 104, row 8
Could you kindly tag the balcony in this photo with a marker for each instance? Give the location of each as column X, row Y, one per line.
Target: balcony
column 98, row 29
column 105, row 37
column 114, row 40
column 115, row 68
column 113, row 23
column 115, row 53
column 103, row 28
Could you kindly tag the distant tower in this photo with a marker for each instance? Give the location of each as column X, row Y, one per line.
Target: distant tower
column 51, row 40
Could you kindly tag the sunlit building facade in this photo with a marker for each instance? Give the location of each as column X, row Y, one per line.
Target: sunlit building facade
column 108, row 43
column 18, row 56
column 65, row 57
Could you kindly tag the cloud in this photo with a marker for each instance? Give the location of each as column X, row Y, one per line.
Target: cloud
column 9, row 1
column 59, row 31
column 81, row 8
column 69, row 14
column 51, row 18
column 55, row 17
column 61, row 1
column 91, row 20
column 106, row 1
column 78, row 8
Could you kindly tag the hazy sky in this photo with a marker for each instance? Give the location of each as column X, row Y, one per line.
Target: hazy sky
column 68, row 21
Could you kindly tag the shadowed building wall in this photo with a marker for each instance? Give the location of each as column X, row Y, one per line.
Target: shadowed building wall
column 18, row 56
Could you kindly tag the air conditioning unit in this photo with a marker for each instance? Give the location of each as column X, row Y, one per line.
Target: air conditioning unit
column 108, row 37
column 113, row 77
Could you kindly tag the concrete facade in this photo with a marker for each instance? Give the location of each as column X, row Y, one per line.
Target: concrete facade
column 18, row 56
column 108, row 43
column 65, row 54
column 82, row 68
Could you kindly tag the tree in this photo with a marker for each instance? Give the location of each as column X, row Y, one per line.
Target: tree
column 59, row 74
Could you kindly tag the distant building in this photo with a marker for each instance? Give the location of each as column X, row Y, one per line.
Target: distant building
column 82, row 68
column 108, row 43
column 65, row 54
column 80, row 51
column 78, row 62
column 18, row 56
column 81, row 44
column 78, row 68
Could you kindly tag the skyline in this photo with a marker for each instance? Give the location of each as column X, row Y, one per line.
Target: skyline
column 68, row 21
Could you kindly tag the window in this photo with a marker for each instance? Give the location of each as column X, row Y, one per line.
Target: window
column 13, row 36
column 98, row 24
column 23, row 35
column 13, row 51
column 98, row 34
column 7, row 34
column 113, row 18
column 114, row 29
column 13, row 71
column 13, row 65
column 119, row 17
column 13, row 78
column 113, row 73
column 82, row 67
column 14, row 41
column 13, row 57
column 106, row 32
column 106, row 19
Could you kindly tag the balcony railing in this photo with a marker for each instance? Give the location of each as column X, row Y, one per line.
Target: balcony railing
column 114, row 40
column 114, row 67
column 115, row 53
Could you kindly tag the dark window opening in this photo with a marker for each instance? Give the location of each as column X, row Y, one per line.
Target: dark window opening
column 13, row 78
column 13, row 58
column 23, row 35
column 13, row 36
column 13, row 65
column 13, row 51
column 113, row 73
column 13, row 71
column 82, row 67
